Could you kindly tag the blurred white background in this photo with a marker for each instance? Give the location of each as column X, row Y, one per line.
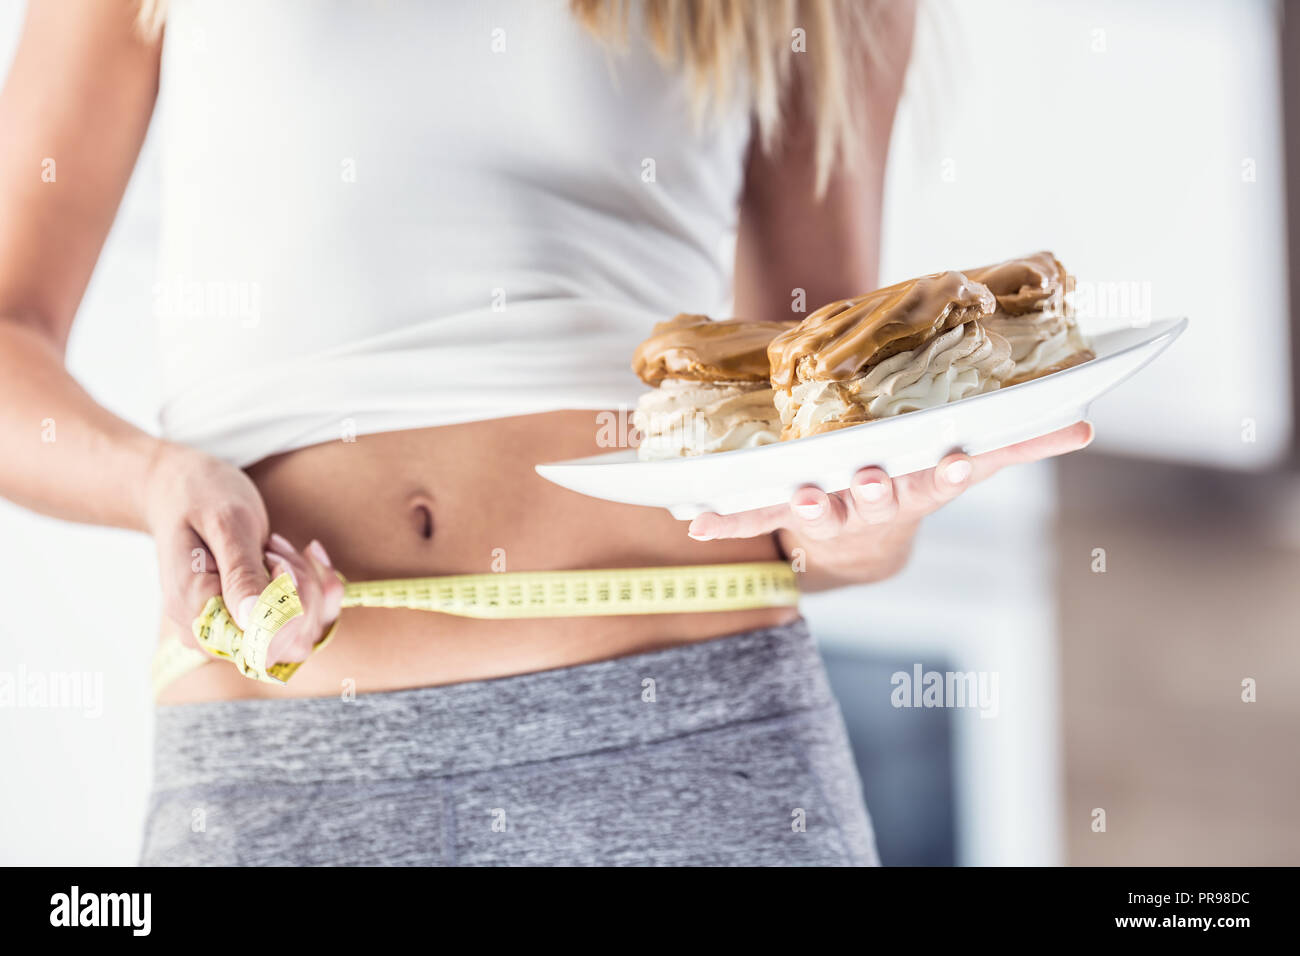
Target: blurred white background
column 1140, row 141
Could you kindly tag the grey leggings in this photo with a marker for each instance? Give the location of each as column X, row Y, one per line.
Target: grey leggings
column 730, row 751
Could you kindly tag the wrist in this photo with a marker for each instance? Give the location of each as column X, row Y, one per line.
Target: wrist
column 163, row 461
column 864, row 557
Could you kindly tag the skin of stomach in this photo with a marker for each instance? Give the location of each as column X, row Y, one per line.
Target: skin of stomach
column 449, row 500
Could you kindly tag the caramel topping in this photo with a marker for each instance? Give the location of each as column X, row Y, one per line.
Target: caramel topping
column 1025, row 284
column 839, row 340
column 696, row 348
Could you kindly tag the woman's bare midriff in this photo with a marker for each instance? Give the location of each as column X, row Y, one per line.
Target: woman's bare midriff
column 463, row 499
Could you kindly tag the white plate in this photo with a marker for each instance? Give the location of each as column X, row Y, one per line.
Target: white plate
column 727, row 482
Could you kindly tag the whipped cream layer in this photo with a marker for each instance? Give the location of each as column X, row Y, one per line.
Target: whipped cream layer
column 1039, row 342
column 964, row 361
column 681, row 418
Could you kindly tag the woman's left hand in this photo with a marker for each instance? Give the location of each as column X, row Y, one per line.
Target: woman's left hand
column 864, row 533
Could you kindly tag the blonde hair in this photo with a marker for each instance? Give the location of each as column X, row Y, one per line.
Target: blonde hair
column 825, row 44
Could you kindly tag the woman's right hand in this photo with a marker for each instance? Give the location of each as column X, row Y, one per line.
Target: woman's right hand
column 213, row 536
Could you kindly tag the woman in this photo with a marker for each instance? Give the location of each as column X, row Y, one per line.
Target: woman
column 406, row 254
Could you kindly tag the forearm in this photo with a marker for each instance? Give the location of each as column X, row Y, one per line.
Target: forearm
column 73, row 113
column 64, row 455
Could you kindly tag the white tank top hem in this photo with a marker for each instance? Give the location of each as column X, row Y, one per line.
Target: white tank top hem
column 379, row 216
column 393, row 385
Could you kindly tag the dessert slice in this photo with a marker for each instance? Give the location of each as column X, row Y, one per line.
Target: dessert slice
column 907, row 347
column 710, row 387
column 1034, row 316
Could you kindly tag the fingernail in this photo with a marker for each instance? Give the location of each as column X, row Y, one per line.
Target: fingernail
column 957, row 472
column 243, row 612
column 283, row 641
column 1092, row 433
column 699, row 535
column 317, row 551
column 281, row 543
column 870, row 491
column 810, row 512
column 274, row 561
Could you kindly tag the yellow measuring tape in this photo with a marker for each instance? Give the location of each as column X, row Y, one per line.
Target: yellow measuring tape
column 518, row 594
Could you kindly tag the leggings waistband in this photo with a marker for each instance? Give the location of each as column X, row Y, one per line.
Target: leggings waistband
column 482, row 725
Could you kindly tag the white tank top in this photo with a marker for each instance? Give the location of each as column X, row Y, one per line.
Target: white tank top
column 389, row 214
